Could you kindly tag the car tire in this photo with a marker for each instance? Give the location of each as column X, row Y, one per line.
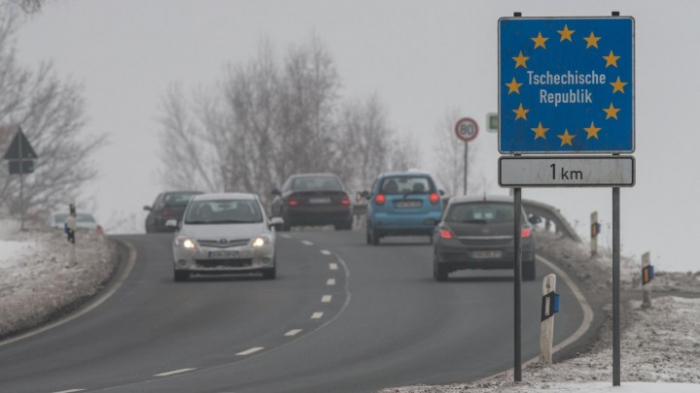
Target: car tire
column 181, row 276
column 430, row 239
column 373, row 237
column 529, row 272
column 270, row 274
column 440, row 274
column 343, row 226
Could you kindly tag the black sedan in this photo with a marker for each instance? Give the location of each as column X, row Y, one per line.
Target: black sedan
column 313, row 199
column 167, row 206
column 477, row 233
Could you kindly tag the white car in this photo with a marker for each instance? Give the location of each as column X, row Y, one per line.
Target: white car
column 224, row 233
column 82, row 221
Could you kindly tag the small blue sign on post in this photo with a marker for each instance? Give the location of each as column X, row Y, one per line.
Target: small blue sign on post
column 566, row 85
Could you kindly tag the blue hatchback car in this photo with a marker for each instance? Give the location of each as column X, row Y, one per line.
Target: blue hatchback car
column 403, row 203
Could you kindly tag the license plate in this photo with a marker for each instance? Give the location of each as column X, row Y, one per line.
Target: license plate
column 487, row 254
column 316, row 201
column 408, row 204
column 223, row 254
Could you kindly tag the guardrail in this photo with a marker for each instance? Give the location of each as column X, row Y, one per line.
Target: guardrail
column 549, row 214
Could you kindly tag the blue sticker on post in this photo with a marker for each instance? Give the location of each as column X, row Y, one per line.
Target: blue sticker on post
column 566, row 85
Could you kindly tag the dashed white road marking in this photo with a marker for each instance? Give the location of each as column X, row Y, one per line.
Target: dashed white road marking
column 325, row 252
column 333, row 266
column 169, row 373
column 326, row 299
column 250, row 351
column 331, row 281
column 317, row 315
column 71, row 391
column 306, row 243
column 292, row 333
column 284, row 235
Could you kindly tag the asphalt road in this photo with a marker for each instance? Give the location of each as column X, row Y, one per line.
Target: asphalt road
column 342, row 316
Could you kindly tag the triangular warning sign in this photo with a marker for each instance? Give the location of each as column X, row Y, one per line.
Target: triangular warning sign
column 20, row 148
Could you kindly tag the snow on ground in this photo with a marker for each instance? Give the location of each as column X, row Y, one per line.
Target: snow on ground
column 37, row 282
column 660, row 347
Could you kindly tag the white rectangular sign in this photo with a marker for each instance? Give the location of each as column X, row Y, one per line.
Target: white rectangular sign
column 610, row 171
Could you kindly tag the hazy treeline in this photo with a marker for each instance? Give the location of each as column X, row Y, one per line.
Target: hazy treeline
column 50, row 111
column 268, row 119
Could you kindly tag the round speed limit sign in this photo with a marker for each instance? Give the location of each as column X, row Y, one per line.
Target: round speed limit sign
column 466, row 129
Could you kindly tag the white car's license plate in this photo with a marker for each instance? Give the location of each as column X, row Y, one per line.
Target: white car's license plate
column 223, row 254
column 408, row 204
column 316, row 201
column 487, row 254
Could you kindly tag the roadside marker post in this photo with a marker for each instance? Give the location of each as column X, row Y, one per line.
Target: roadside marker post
column 566, row 86
column 550, row 306
column 70, row 234
column 647, row 276
column 595, row 230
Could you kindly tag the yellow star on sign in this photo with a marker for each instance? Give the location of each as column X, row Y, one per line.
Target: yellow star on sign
column 566, row 138
column 540, row 131
column 520, row 60
column 592, row 131
column 566, row 33
column 521, row 112
column 592, row 40
column 539, row 41
column 611, row 59
column 514, row 86
column 611, row 111
column 618, row 85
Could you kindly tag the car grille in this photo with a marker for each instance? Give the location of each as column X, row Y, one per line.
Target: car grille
column 222, row 243
column 224, row 262
column 486, row 240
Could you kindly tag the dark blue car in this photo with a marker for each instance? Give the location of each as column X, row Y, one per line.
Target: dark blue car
column 403, row 204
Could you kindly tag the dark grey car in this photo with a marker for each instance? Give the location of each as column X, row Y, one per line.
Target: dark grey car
column 477, row 233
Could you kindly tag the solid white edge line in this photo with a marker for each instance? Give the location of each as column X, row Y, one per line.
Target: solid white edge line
column 325, row 252
column 306, row 243
column 326, row 298
column 317, row 315
column 331, row 281
column 119, row 280
column 333, row 266
column 71, row 391
column 174, row 372
column 293, row 332
column 250, row 351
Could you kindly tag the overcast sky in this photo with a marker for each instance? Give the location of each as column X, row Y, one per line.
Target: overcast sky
column 421, row 58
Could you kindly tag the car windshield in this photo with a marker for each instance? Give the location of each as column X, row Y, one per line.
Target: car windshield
column 224, row 211
column 179, row 198
column 79, row 217
column 406, row 185
column 482, row 212
column 318, row 183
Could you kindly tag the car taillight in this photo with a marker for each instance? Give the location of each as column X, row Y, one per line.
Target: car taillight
column 446, row 234
column 434, row 198
column 345, row 201
column 380, row 199
column 292, row 201
column 525, row 232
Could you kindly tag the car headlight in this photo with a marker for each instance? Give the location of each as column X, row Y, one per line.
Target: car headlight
column 260, row 241
column 185, row 243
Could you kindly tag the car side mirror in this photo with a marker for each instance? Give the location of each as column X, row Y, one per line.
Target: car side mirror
column 275, row 192
column 276, row 222
column 441, row 192
column 535, row 219
column 365, row 194
column 147, row 208
column 172, row 223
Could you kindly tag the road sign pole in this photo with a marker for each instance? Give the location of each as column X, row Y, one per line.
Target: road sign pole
column 466, row 157
column 616, row 286
column 517, row 279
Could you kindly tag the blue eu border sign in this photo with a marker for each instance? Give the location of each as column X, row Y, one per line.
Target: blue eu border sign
column 566, row 85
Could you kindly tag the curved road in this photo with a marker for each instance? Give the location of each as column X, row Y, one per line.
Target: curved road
column 341, row 317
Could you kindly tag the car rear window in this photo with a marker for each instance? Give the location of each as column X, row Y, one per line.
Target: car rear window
column 406, row 185
column 180, row 198
column 225, row 211
column 320, row 183
column 483, row 212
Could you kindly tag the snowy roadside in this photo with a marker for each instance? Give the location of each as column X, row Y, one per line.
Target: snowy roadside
column 660, row 346
column 37, row 282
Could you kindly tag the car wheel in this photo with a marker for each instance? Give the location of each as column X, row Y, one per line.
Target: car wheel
column 430, row 239
column 529, row 273
column 181, row 275
column 374, row 237
column 439, row 273
column 343, row 226
column 270, row 274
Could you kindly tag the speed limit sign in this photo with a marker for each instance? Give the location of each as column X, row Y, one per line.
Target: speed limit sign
column 466, row 129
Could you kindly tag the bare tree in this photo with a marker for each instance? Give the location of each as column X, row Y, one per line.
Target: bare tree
column 50, row 112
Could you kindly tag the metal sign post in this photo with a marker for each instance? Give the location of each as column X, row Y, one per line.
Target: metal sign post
column 466, row 129
column 21, row 156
